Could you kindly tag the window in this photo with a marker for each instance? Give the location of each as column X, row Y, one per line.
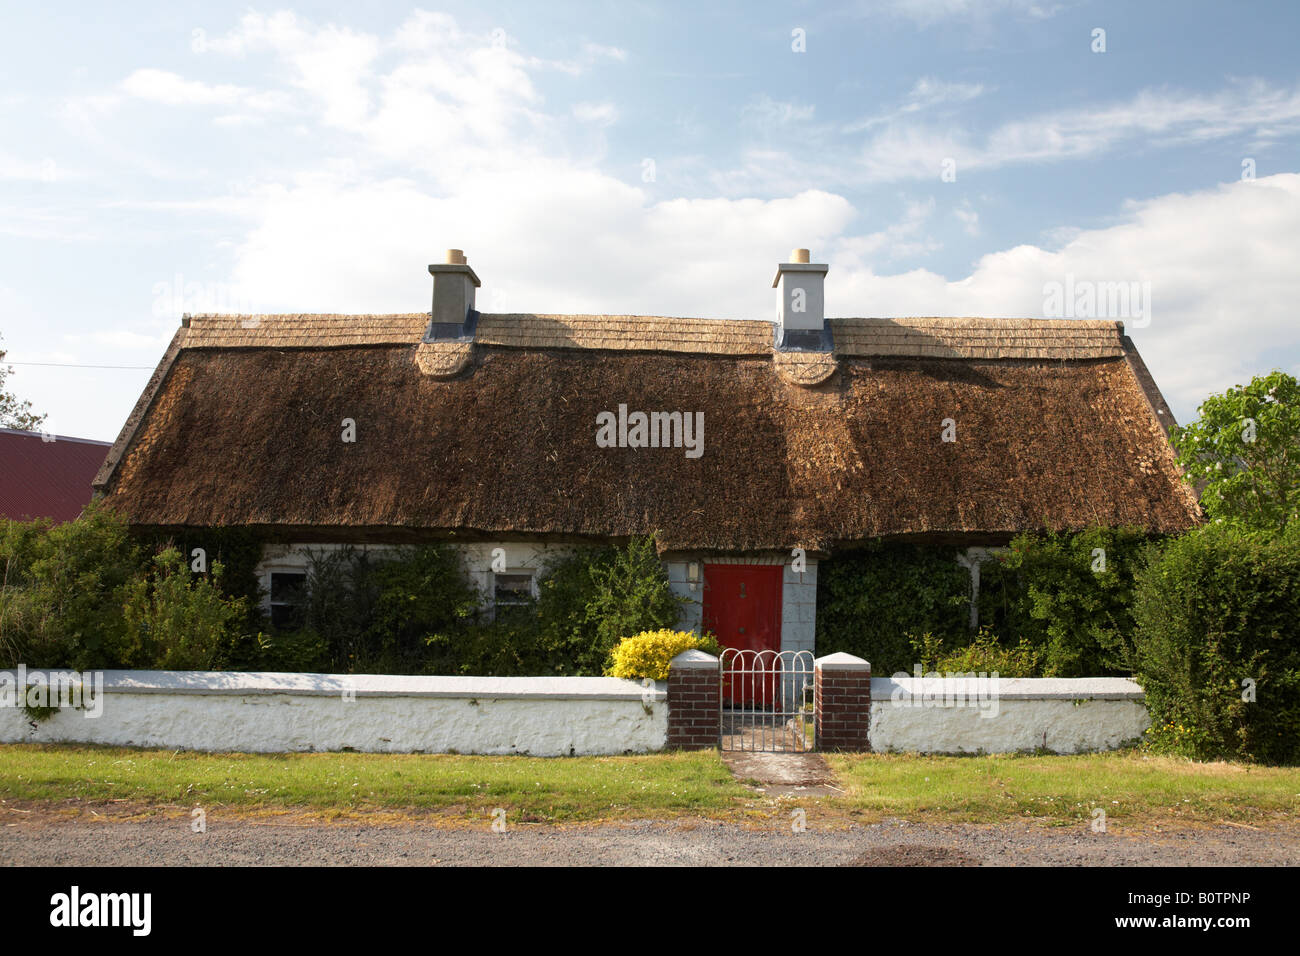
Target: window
column 515, row 587
column 288, row 597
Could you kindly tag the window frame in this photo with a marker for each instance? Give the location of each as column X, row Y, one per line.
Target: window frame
column 530, row 573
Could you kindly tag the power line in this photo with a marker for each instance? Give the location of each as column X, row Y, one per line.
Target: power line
column 145, row 368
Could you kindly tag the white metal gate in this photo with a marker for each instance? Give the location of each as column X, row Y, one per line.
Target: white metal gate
column 767, row 700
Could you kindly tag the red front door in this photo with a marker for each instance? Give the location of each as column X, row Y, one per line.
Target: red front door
column 742, row 607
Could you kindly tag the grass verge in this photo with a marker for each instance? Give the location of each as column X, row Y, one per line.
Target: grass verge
column 1128, row 785
column 530, row 789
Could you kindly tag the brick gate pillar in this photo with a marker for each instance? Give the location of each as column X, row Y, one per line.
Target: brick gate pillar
column 843, row 702
column 694, row 701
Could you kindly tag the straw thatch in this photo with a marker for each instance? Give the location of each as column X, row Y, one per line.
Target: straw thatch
column 240, row 433
column 913, row 337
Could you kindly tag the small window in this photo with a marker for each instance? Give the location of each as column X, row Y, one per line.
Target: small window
column 288, row 597
column 515, row 587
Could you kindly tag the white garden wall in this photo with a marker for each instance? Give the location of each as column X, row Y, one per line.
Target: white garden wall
column 195, row 710
column 954, row 715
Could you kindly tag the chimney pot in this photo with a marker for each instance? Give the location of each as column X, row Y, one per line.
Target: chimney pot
column 800, row 255
column 456, row 257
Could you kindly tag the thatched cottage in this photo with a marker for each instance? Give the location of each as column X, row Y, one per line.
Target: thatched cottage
column 753, row 448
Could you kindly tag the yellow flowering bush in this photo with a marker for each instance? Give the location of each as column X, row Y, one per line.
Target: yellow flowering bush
column 647, row 654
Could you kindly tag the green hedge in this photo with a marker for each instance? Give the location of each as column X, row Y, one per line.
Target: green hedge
column 1069, row 595
column 86, row 595
column 415, row 612
column 870, row 600
column 1215, row 608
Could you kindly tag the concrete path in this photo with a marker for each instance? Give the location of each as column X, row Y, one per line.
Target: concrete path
column 782, row 774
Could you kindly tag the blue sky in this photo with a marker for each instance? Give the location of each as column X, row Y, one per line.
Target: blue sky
column 642, row 158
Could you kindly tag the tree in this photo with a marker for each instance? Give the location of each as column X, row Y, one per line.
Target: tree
column 13, row 413
column 1244, row 453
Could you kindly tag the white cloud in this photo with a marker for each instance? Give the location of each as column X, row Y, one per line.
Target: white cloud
column 1152, row 117
column 161, row 86
column 928, row 12
column 767, row 113
column 599, row 114
column 927, row 93
column 598, row 51
column 969, row 218
column 42, row 170
column 1220, row 263
column 551, row 239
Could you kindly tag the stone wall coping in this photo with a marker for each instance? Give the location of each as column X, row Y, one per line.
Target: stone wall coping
column 1010, row 688
column 693, row 658
column 366, row 685
column 842, row 662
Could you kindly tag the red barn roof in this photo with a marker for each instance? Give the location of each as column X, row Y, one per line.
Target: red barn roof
column 40, row 478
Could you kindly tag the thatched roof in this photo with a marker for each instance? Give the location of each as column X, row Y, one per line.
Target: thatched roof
column 1058, row 425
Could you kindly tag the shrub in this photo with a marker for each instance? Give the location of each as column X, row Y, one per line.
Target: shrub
column 508, row 646
column 62, row 592
column 421, row 596
column 401, row 611
column 338, row 605
column 1214, row 608
column 302, row 651
column 591, row 599
column 985, row 654
column 176, row 620
column 868, row 601
column 1069, row 595
column 647, row 654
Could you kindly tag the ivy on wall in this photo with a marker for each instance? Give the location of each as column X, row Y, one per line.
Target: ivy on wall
column 871, row 599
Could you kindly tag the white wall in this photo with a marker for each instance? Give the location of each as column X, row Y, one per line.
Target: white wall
column 933, row 715
column 267, row 713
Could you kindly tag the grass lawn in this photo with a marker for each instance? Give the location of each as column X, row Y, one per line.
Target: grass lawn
column 1128, row 785
column 529, row 788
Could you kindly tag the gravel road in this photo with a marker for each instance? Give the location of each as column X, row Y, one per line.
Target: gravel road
column 43, row 840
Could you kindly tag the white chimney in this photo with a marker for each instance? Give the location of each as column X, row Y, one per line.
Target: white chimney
column 454, row 283
column 800, row 300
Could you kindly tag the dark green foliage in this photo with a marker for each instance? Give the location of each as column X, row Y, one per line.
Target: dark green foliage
column 238, row 551
column 419, row 599
column 63, row 590
column 591, row 600
column 398, row 612
column 869, row 600
column 85, row 595
column 1056, row 592
column 302, row 651
column 983, row 655
column 175, row 619
column 415, row 611
column 1214, row 608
